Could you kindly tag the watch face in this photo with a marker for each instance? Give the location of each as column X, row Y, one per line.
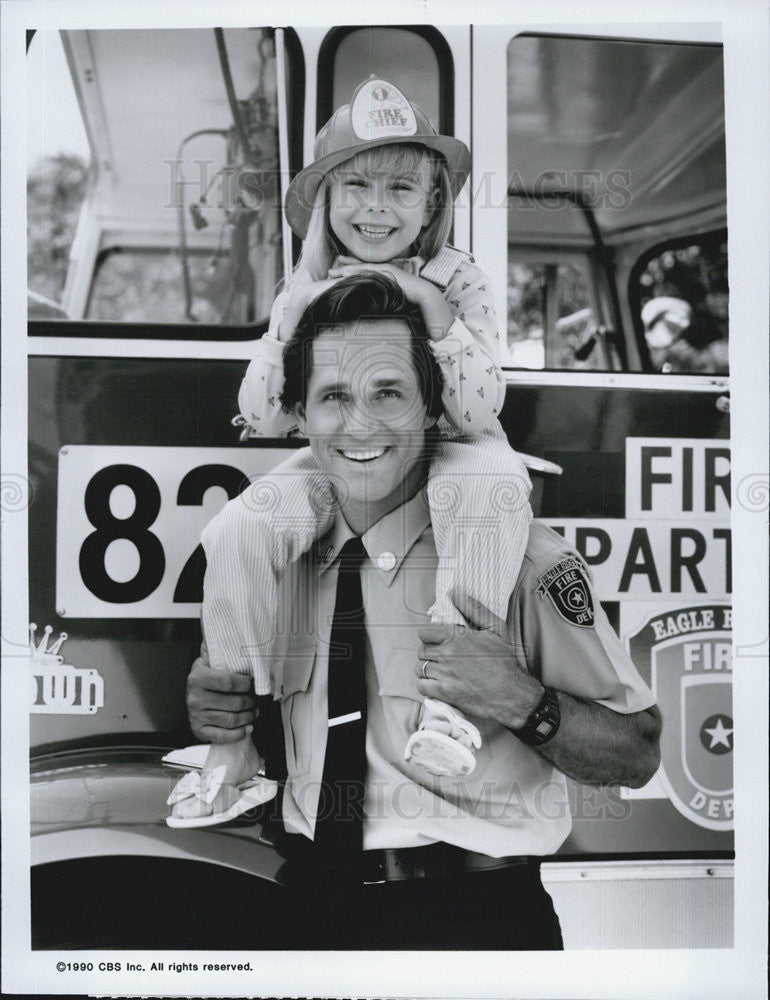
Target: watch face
column 543, row 722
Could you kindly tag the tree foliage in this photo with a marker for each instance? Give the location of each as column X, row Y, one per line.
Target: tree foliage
column 56, row 187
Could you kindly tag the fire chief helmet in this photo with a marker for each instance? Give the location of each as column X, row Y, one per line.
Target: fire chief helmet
column 378, row 115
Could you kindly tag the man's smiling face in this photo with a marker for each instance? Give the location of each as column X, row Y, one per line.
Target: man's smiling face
column 365, row 417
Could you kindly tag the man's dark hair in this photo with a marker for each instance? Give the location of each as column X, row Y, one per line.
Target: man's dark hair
column 360, row 297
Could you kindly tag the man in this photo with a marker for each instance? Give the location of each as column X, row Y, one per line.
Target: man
column 450, row 862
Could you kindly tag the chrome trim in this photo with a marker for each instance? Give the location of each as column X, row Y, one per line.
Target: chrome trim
column 618, row 380
column 608, row 871
column 221, row 847
column 283, row 147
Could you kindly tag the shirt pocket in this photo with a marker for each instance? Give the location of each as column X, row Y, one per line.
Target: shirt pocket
column 297, row 709
column 401, row 701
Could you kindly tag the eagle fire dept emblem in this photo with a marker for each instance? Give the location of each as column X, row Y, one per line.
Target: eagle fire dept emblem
column 566, row 585
column 685, row 655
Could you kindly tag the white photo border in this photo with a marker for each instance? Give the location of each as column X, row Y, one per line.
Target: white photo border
column 739, row 972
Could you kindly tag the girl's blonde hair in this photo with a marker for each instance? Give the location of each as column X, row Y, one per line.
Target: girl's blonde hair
column 321, row 247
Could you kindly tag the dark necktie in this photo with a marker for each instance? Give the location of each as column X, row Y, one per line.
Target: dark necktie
column 339, row 827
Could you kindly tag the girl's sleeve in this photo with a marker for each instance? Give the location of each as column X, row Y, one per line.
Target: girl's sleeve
column 259, row 396
column 470, row 354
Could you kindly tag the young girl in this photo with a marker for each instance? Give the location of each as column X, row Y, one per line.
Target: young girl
column 379, row 196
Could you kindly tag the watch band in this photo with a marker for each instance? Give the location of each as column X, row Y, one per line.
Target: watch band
column 544, row 721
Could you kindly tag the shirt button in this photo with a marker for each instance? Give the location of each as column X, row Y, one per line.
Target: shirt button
column 386, row 561
column 328, row 553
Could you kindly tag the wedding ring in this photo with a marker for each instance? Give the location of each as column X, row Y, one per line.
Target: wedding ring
column 425, row 670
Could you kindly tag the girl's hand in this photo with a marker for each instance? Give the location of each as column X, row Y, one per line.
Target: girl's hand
column 413, row 287
column 300, row 297
column 436, row 313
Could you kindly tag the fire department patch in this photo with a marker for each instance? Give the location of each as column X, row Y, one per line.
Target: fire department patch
column 685, row 656
column 567, row 586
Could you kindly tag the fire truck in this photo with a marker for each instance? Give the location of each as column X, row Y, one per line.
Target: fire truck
column 597, row 206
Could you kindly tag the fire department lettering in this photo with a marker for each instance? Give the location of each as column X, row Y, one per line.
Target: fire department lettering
column 566, row 585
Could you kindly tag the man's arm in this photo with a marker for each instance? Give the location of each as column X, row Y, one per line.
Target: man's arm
column 221, row 706
column 593, row 745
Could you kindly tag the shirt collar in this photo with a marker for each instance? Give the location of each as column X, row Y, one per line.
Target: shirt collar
column 387, row 542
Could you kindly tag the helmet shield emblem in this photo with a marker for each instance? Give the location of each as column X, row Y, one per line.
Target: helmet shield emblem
column 379, row 109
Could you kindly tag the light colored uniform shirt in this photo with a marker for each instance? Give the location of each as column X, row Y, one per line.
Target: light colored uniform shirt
column 514, row 802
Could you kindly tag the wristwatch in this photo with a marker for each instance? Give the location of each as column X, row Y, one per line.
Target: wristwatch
column 544, row 721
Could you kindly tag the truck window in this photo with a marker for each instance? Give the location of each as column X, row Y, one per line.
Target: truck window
column 58, row 164
column 552, row 297
column 679, row 294
column 416, row 59
column 136, row 283
column 616, row 154
column 181, row 207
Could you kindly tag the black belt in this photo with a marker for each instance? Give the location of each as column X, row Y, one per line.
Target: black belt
column 432, row 861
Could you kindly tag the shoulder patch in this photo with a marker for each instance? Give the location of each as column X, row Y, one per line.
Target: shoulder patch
column 566, row 585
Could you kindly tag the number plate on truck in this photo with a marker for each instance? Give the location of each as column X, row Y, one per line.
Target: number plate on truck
column 129, row 521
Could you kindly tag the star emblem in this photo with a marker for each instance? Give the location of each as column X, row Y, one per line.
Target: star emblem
column 720, row 735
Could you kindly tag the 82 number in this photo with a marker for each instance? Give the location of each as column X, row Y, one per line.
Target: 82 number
column 136, row 529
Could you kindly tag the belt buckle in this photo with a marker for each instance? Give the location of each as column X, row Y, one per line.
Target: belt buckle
column 395, row 865
column 398, row 865
column 401, row 864
column 380, row 865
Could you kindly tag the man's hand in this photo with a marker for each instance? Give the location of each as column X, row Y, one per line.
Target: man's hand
column 221, row 705
column 475, row 668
